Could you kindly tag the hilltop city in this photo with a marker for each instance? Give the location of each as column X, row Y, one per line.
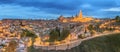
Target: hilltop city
column 22, row 35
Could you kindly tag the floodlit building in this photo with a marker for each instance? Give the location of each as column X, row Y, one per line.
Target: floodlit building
column 78, row 18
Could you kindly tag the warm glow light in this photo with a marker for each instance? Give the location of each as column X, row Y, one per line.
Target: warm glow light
column 30, row 42
column 78, row 18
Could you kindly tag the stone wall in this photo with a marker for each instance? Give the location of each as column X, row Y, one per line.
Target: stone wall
column 64, row 46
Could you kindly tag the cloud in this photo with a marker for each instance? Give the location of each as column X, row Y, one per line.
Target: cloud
column 86, row 6
column 60, row 5
column 54, row 8
column 116, row 9
column 17, row 11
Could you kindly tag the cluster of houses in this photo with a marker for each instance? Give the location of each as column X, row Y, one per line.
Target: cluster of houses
column 11, row 29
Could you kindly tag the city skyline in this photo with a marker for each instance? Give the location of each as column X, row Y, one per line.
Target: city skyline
column 46, row 9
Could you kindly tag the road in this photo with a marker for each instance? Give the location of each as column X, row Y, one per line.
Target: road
column 74, row 43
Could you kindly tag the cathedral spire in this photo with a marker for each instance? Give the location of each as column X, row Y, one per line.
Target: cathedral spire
column 80, row 14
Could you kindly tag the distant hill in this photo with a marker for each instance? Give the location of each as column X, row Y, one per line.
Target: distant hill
column 108, row 43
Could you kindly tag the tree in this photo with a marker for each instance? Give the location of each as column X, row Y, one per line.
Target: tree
column 12, row 46
column 27, row 33
column 31, row 49
column 90, row 27
column 81, row 36
column 117, row 18
column 56, row 35
column 64, row 34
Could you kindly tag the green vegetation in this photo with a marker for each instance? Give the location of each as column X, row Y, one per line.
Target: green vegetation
column 81, row 36
column 27, row 33
column 110, row 43
column 56, row 35
column 12, row 46
column 31, row 49
column 64, row 34
column 117, row 18
column 90, row 27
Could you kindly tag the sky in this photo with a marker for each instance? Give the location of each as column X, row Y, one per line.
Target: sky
column 52, row 9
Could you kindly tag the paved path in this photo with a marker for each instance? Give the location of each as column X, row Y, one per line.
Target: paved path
column 98, row 35
column 74, row 43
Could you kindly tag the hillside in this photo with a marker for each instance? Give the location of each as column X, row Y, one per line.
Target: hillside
column 109, row 43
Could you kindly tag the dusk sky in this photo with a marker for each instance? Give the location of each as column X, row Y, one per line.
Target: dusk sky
column 52, row 9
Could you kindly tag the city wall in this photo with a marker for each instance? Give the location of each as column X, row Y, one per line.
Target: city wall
column 64, row 46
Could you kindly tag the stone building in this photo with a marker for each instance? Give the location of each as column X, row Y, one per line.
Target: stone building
column 77, row 18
